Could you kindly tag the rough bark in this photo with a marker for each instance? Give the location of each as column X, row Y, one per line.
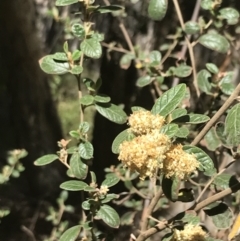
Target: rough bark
column 28, row 117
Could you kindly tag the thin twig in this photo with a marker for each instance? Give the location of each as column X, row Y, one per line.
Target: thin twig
column 150, row 209
column 208, row 184
column 219, row 113
column 162, row 225
column 28, row 232
column 121, row 50
column 190, row 47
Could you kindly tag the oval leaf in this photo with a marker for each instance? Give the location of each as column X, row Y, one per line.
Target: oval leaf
column 121, row 137
column 102, row 98
column 169, row 129
column 44, row 160
column 220, row 214
column 215, row 41
column 183, row 71
column 85, row 150
column 109, row 216
column 91, row 48
column 198, row 118
column 79, row 169
column 212, row 140
column 71, row 234
column 157, row 9
column 192, row 27
column 73, row 185
column 232, row 126
column 206, row 163
column 49, row 66
column 226, row 83
column 87, row 100
column 169, row 100
column 111, row 180
column 144, row 80
column 203, row 82
column 112, row 112
column 230, row 14
column 182, row 132
column 126, row 60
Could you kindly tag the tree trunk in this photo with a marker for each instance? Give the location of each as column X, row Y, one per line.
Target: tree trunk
column 28, row 117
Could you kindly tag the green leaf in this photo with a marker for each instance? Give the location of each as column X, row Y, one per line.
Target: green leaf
column 84, row 127
column 121, row 137
column 183, row 71
column 157, row 9
column 212, row 140
column 191, row 218
column 230, row 14
column 49, row 66
column 222, row 181
column 90, row 84
column 198, row 118
column 87, row 100
column 207, row 4
column 76, row 55
column 109, row 216
column 74, row 134
column 111, row 180
column 73, row 185
column 206, row 163
column 65, row 2
column 169, row 129
column 91, row 48
column 126, row 60
column 93, row 177
column 220, row 214
column 86, row 205
column 128, row 218
column 192, row 27
column 78, row 30
column 109, row 197
column 212, row 68
column 155, row 58
column 144, row 80
column 137, row 108
column 112, row 112
column 60, row 56
column 65, row 47
column 102, row 98
column 215, row 41
column 109, row 8
column 86, row 150
column 98, row 36
column 170, row 188
column 79, row 169
column 226, row 83
column 220, row 132
column 178, row 113
column 182, row 132
column 169, row 100
column 232, row 126
column 203, row 82
column 44, row 160
column 71, row 234
column 76, row 69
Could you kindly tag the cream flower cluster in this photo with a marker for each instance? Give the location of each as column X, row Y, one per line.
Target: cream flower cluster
column 151, row 150
column 189, row 233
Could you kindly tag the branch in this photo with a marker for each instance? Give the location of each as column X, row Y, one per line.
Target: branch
column 219, row 113
column 150, row 209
